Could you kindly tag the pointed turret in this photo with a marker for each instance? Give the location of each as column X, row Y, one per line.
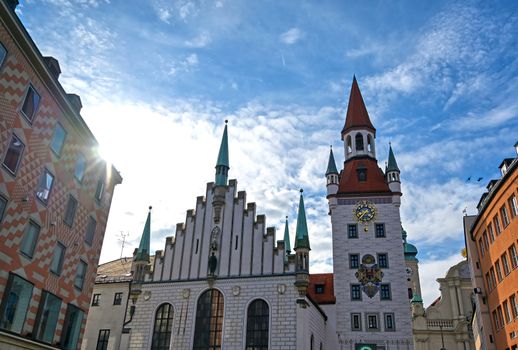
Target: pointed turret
column 301, row 235
column 222, row 165
column 392, row 173
column 358, row 132
column 143, row 248
column 287, row 244
column 392, row 164
column 302, row 250
column 331, row 174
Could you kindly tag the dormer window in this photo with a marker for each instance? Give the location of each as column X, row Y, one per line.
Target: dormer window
column 359, row 142
column 319, row 289
column 361, row 172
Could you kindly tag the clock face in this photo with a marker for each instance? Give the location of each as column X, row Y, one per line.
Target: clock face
column 409, row 271
column 365, row 211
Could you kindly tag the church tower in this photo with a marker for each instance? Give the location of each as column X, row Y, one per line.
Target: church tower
column 370, row 279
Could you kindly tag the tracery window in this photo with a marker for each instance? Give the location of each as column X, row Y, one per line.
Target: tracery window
column 359, row 142
column 209, row 321
column 257, row 325
column 162, row 327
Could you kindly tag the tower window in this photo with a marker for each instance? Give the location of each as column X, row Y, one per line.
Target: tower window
column 389, row 322
column 370, row 144
column 356, row 322
column 410, row 293
column 380, row 230
column 319, row 289
column 361, row 172
column 349, row 144
column 383, row 261
column 356, row 293
column 358, row 139
column 385, row 292
column 354, row 261
column 352, row 231
column 372, row 322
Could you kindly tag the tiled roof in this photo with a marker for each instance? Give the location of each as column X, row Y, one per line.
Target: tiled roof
column 349, row 182
column 322, row 279
column 357, row 116
column 118, row 270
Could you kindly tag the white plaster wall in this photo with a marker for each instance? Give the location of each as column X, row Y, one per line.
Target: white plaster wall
column 283, row 309
column 392, row 244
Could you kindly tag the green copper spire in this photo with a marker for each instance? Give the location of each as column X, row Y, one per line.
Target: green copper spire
column 222, row 164
column 331, row 165
column 392, row 165
column 143, row 248
column 301, row 235
column 287, row 244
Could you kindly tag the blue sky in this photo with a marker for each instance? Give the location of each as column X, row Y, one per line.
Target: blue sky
column 158, row 78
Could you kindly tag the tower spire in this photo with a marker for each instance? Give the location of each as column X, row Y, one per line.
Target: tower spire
column 392, row 164
column 222, row 164
column 331, row 165
column 301, row 235
column 143, row 248
column 287, row 244
column 357, row 115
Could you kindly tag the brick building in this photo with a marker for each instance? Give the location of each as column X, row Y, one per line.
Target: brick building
column 492, row 245
column 55, row 196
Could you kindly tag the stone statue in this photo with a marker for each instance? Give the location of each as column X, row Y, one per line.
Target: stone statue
column 213, row 264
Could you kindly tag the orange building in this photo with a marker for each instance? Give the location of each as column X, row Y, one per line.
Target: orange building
column 55, row 196
column 494, row 233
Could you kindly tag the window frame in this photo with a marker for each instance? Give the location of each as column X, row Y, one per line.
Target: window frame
column 513, row 204
column 378, row 258
column 505, row 216
column 368, row 327
column 349, row 232
column 81, row 276
column 30, row 120
column 62, row 143
column 498, row 270
column 357, row 292
column 513, row 255
column 210, row 300
column 42, row 315
column 103, row 339
column 75, row 330
column 386, row 316
column 61, row 259
column 161, row 315
column 96, row 299
column 4, row 304
column 351, row 261
column 20, row 155
column 383, row 233
column 2, row 59
column 117, row 298
column 359, row 316
column 90, row 232
column 70, row 212
column 42, row 186
column 496, row 222
column 505, row 263
column 252, row 328
column 388, row 290
column 35, row 237
column 80, row 175
column 4, row 202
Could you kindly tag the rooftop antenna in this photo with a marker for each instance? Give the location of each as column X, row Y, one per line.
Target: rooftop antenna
column 123, row 240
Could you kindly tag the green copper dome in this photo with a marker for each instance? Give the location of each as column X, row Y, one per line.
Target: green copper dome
column 409, row 249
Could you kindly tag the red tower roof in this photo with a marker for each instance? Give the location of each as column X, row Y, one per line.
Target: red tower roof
column 357, row 116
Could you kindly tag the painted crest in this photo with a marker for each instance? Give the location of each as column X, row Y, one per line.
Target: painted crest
column 369, row 275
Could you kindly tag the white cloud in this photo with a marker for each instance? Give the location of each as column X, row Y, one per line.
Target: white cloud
column 186, row 64
column 432, row 269
column 495, row 117
column 291, row 36
column 202, row 40
column 164, row 14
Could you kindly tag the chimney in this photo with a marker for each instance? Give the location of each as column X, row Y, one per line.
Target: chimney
column 53, row 66
column 75, row 100
column 12, row 4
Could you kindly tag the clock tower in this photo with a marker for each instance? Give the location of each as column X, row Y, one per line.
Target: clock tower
column 370, row 277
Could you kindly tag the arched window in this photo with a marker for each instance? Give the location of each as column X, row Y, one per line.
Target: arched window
column 359, row 142
column 257, row 325
column 209, row 321
column 349, row 144
column 370, row 144
column 162, row 327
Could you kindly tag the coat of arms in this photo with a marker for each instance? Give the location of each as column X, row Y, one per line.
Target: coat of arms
column 369, row 275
